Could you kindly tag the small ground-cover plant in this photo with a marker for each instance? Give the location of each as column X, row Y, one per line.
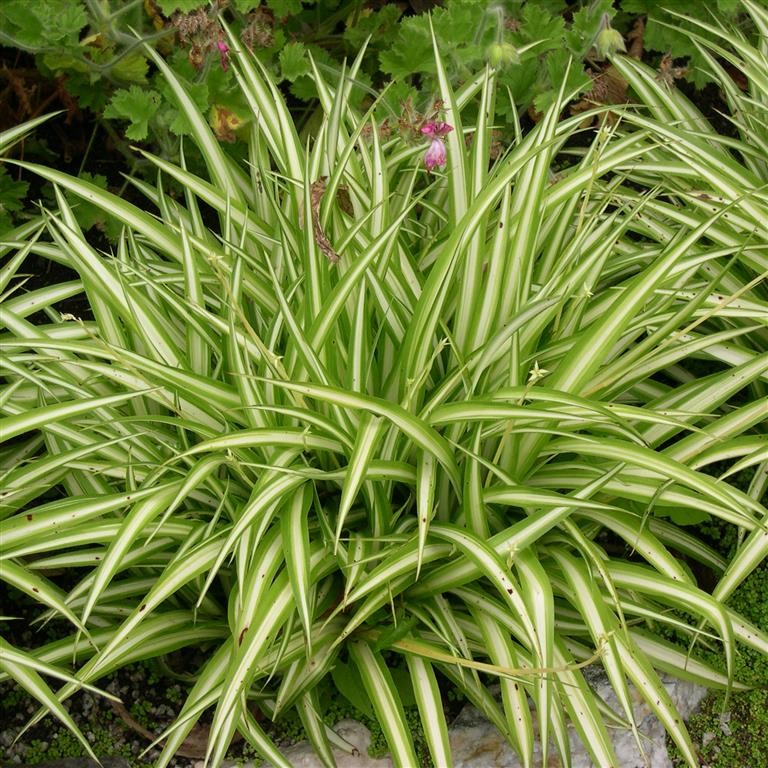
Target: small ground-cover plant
column 332, row 409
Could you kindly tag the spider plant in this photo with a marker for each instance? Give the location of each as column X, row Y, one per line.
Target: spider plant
column 720, row 179
column 332, row 418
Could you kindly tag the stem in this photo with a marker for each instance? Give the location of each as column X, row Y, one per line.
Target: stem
column 88, row 149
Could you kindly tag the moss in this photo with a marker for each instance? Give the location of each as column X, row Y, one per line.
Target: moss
column 738, row 738
column 379, row 747
column 175, row 695
column 751, row 601
column 141, row 710
column 738, row 735
column 12, row 700
column 287, row 729
column 64, row 744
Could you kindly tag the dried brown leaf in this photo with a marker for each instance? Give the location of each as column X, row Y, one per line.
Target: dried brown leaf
column 316, row 193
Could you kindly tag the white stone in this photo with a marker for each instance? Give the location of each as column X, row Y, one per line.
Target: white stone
column 302, row 755
column 476, row 743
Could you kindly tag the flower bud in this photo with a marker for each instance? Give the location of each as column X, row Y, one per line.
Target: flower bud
column 223, row 54
column 501, row 54
column 609, row 40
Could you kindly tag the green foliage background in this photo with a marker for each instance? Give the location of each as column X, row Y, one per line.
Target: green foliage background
column 94, row 46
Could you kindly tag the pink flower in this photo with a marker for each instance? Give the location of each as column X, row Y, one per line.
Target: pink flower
column 435, row 130
column 435, row 154
column 224, row 53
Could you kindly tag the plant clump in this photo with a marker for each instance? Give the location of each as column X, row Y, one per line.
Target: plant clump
column 340, row 426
